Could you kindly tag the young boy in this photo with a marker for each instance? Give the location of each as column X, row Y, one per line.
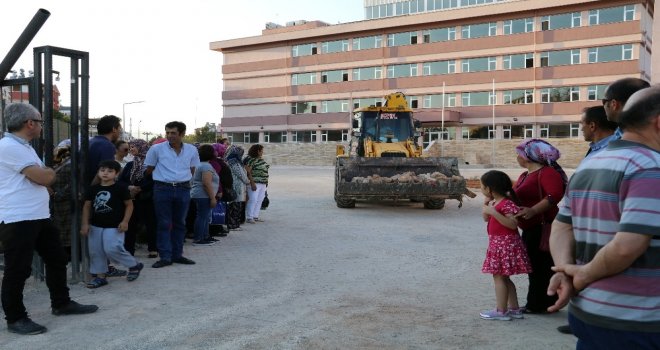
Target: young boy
column 109, row 206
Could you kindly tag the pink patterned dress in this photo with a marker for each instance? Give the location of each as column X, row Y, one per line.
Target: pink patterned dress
column 506, row 254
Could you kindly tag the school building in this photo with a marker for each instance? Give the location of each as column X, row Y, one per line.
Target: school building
column 483, row 69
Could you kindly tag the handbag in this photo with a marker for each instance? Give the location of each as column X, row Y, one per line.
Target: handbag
column 228, row 195
column 265, row 202
column 546, row 227
column 219, row 213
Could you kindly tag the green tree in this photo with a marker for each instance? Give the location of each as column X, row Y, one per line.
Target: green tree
column 205, row 134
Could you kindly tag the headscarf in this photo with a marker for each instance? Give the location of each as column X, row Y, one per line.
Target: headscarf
column 541, row 152
column 137, row 172
column 219, row 149
column 234, row 153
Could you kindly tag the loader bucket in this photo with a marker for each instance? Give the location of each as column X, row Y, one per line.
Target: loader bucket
column 371, row 178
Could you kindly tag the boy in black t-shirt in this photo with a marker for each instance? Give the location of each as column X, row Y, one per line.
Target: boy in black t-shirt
column 108, row 207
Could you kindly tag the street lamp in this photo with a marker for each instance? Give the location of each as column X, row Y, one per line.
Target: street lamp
column 123, row 116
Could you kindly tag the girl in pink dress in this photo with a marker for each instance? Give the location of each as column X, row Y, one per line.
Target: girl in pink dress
column 506, row 254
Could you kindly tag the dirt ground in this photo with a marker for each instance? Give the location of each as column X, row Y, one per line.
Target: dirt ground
column 312, row 276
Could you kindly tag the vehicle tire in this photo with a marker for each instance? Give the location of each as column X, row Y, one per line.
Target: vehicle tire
column 343, row 202
column 434, row 204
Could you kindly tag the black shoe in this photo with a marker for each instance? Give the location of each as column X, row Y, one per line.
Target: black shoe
column 202, row 242
column 25, row 326
column 183, row 260
column 161, row 263
column 73, row 308
column 115, row 272
column 211, row 239
column 565, row 329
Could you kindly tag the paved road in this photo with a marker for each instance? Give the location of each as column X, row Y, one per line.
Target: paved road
column 380, row 276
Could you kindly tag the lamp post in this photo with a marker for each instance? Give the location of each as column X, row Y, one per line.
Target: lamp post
column 123, row 116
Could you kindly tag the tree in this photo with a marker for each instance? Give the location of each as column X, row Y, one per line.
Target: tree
column 205, row 134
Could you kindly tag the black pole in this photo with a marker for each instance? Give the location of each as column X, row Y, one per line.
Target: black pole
column 23, row 41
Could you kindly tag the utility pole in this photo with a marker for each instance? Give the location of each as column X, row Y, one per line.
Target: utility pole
column 147, row 134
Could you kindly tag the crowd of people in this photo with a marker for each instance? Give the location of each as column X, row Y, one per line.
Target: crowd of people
column 123, row 182
column 592, row 242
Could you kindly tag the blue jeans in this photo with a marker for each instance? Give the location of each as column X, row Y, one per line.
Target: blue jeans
column 171, row 208
column 203, row 218
column 597, row 338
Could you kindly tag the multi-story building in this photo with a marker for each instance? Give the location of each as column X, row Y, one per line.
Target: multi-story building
column 482, row 69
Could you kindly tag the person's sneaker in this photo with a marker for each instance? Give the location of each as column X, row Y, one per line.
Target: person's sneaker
column 73, row 308
column 115, row 272
column 259, row 220
column 250, row 221
column 516, row 313
column 202, row 242
column 183, row 260
column 565, row 329
column 494, row 315
column 161, row 263
column 26, row 326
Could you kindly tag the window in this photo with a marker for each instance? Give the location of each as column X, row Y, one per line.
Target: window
column 334, row 106
column 367, row 42
column 284, row 137
column 518, row 96
column 525, row 60
column 596, row 92
column 544, row 130
column 303, row 79
column 439, row 67
column 492, row 63
column 480, row 98
column 303, row 50
column 561, row 21
column 334, row 76
column 367, row 73
column 302, row 107
column 365, row 102
column 515, row 26
column 478, row 64
column 402, row 71
column 560, row 94
column 478, row 30
column 610, row 53
column 575, row 129
column 400, row 39
column 529, row 131
column 612, row 15
column 435, row 101
column 266, row 137
column 334, row 46
column 560, row 58
column 440, row 34
column 413, row 101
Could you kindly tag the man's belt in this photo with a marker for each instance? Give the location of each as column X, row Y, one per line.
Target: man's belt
column 173, row 184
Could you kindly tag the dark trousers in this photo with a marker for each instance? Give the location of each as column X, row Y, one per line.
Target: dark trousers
column 597, row 338
column 537, row 294
column 242, row 212
column 143, row 213
column 171, row 220
column 233, row 216
column 20, row 240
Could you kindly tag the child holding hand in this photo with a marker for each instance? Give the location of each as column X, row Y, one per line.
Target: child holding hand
column 106, row 213
column 506, row 254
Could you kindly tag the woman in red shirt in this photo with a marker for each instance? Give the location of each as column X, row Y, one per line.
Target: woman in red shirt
column 539, row 190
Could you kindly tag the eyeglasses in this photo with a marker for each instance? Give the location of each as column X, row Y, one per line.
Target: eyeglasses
column 606, row 100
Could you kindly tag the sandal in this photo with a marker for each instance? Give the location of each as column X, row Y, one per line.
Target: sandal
column 134, row 272
column 97, row 282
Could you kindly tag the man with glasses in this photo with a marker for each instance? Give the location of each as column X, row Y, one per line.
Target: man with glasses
column 617, row 94
column 25, row 224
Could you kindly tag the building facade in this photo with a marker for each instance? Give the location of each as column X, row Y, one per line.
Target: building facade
column 492, row 69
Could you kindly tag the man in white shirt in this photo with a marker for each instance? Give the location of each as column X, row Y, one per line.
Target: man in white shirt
column 172, row 165
column 25, row 224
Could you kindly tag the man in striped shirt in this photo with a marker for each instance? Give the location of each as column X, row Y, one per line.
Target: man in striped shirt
column 606, row 238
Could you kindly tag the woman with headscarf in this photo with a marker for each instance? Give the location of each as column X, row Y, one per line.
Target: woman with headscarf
column 234, row 156
column 140, row 186
column 226, row 180
column 61, row 194
column 539, row 190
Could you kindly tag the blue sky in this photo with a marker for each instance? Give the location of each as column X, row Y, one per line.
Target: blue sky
column 156, row 51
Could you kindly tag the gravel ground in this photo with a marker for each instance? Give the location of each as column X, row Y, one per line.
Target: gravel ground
column 312, row 276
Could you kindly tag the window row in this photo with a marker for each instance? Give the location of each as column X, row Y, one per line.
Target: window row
column 418, row 6
column 467, row 99
column 601, row 54
column 508, row 131
column 471, row 31
column 304, row 136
